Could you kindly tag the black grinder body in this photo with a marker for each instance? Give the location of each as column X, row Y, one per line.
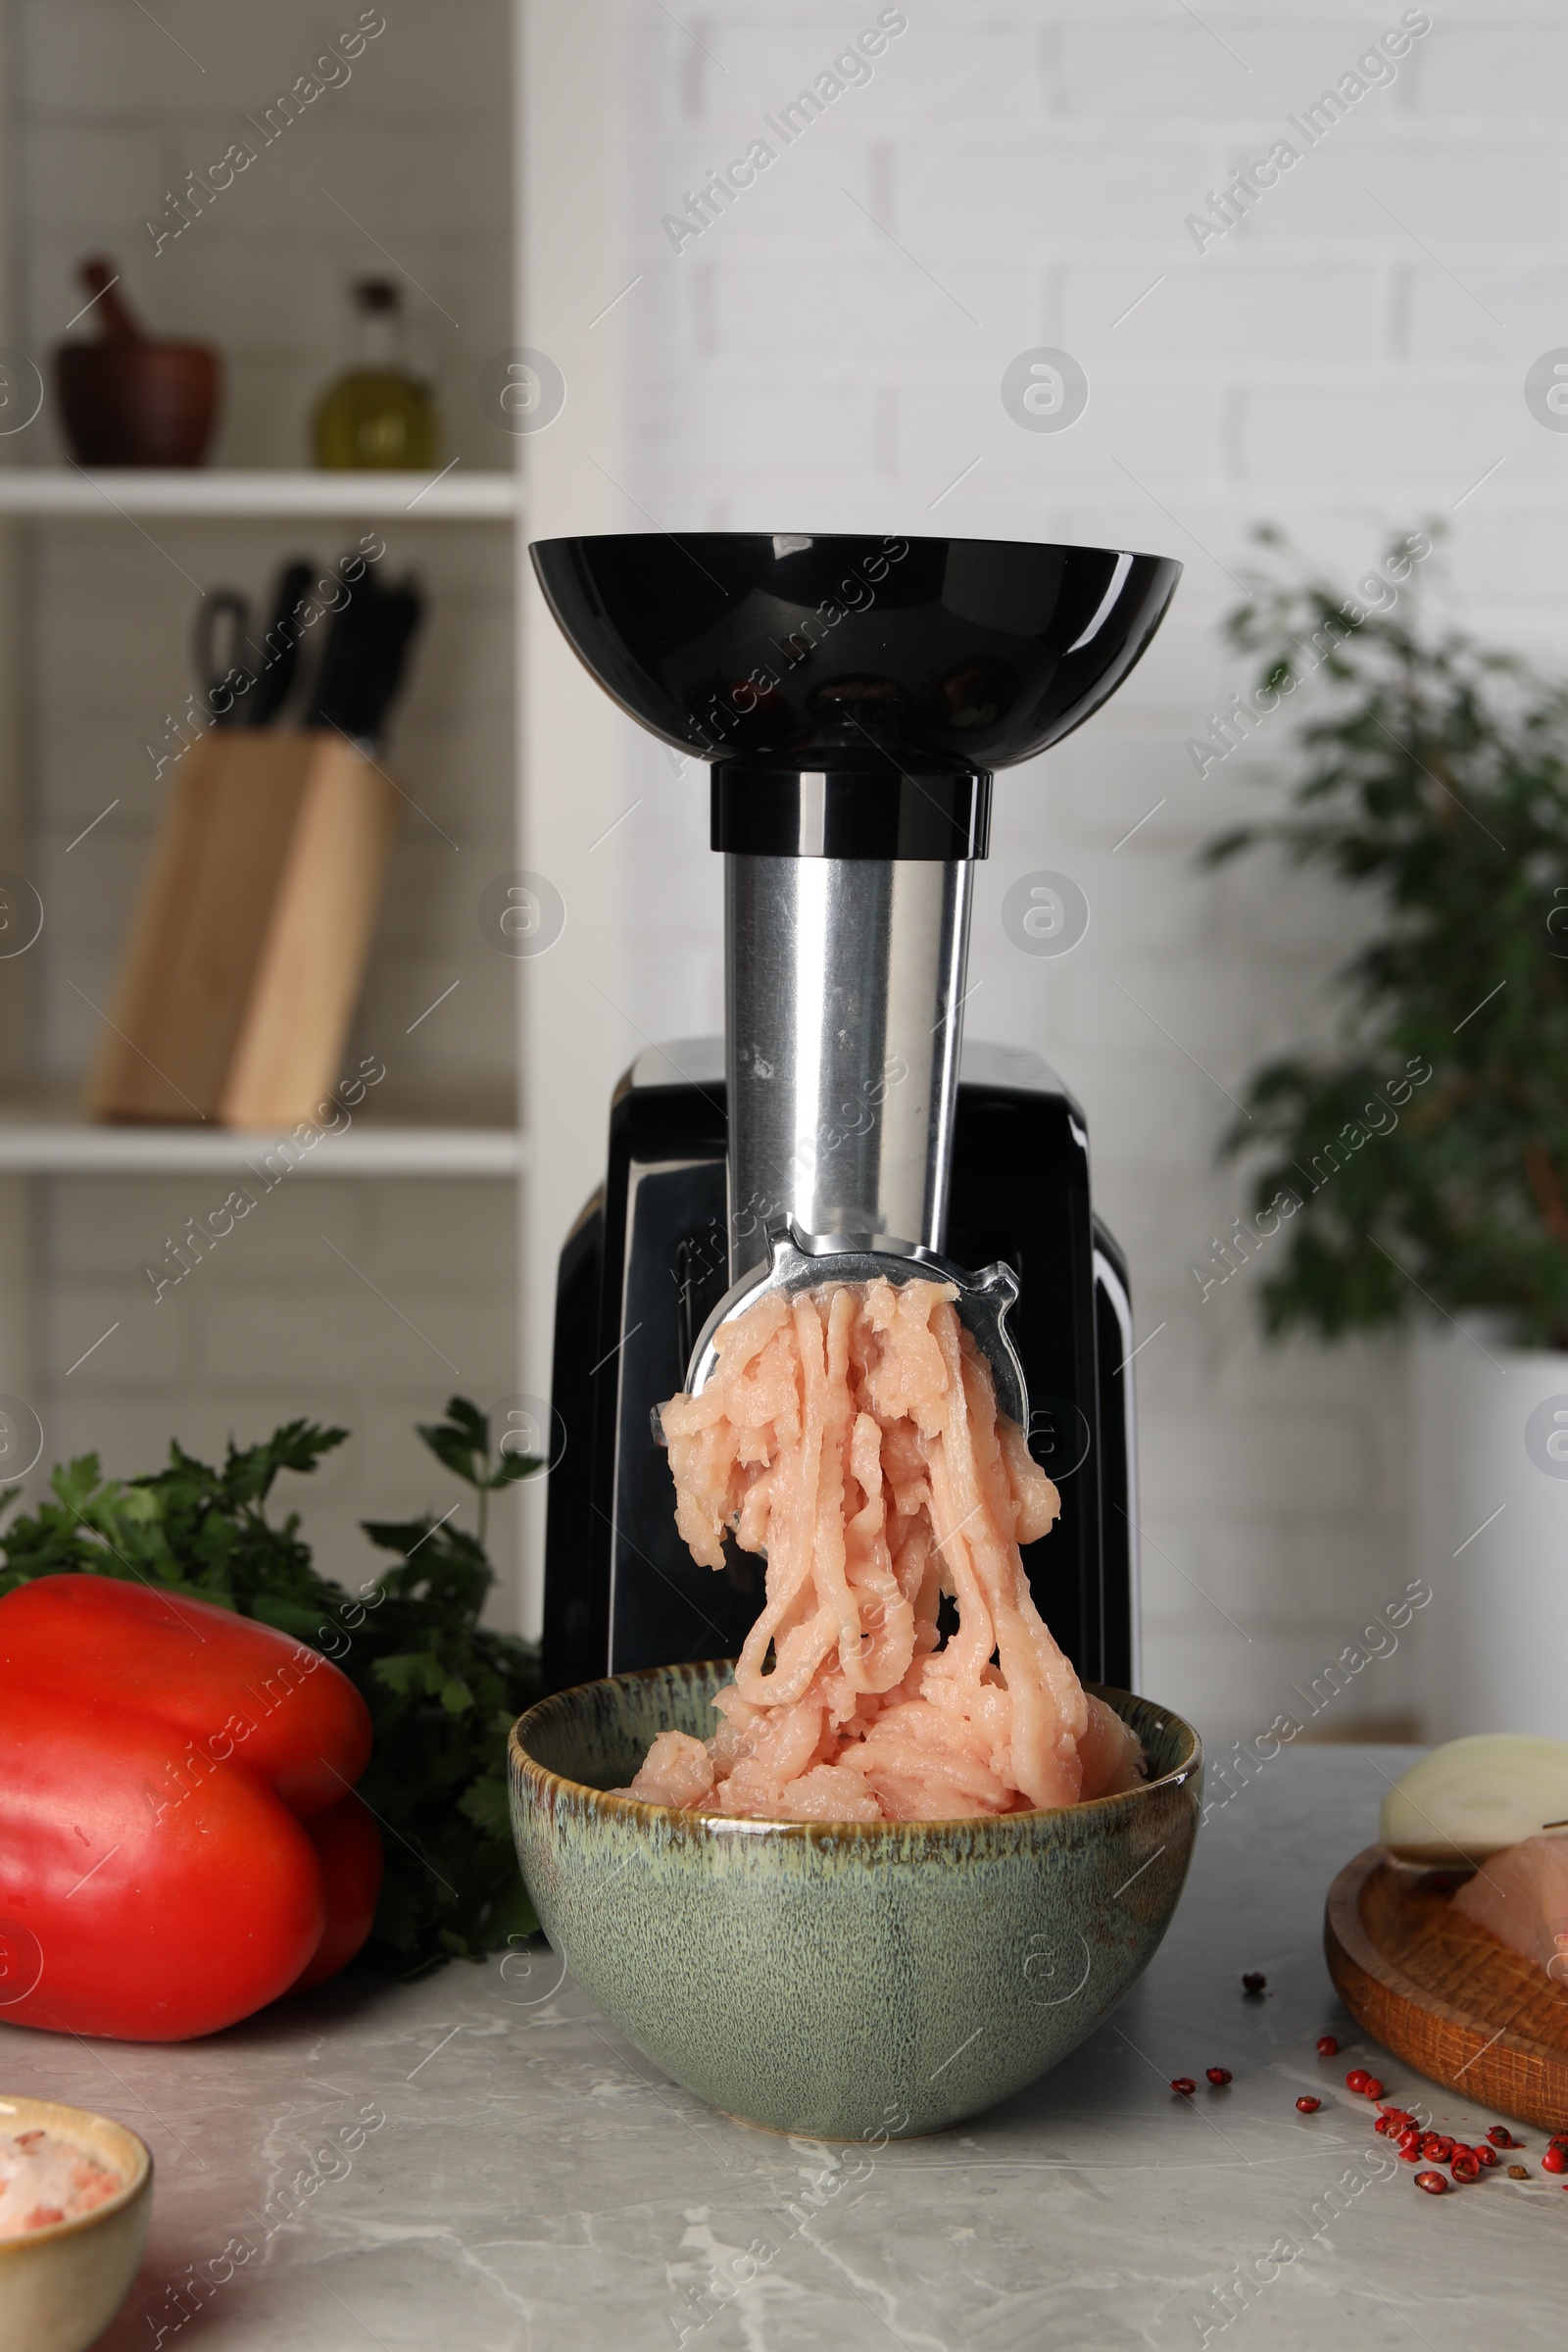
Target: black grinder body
column 855, row 696
column 647, row 1262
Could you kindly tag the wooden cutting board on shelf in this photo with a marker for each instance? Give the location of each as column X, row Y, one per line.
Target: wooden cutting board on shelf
column 1442, row 1994
column 248, row 947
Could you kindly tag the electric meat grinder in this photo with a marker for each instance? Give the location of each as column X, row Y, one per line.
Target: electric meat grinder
column 853, row 696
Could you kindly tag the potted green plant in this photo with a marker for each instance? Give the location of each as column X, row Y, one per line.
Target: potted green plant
column 1416, row 1172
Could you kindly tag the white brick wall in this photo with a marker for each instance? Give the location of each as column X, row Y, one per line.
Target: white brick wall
column 1349, row 361
column 275, row 1324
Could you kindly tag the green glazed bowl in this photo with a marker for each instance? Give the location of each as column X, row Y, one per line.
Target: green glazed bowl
column 840, row 1980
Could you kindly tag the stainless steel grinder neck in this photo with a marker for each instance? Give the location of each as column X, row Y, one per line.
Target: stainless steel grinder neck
column 847, row 897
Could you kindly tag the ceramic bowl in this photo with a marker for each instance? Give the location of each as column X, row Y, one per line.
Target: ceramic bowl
column 841, row 1981
column 59, row 2287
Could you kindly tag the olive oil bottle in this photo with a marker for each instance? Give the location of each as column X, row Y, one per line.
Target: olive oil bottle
column 378, row 418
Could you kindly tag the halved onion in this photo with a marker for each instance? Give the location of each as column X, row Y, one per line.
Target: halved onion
column 1473, row 1797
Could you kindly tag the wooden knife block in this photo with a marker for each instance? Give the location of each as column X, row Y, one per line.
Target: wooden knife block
column 248, row 949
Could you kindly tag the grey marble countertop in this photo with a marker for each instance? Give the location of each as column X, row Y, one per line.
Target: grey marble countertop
column 481, row 2162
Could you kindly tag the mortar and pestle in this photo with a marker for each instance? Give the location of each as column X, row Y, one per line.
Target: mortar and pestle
column 129, row 399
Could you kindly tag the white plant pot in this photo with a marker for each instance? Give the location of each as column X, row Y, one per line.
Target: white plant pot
column 1490, row 1509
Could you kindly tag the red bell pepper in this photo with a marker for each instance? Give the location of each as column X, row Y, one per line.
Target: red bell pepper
column 179, row 1841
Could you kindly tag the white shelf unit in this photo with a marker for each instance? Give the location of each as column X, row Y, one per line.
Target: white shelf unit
column 54, row 1138
column 51, row 1139
column 63, row 493
column 566, row 791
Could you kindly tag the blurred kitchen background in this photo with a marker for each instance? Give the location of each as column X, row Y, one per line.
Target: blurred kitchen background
column 827, row 354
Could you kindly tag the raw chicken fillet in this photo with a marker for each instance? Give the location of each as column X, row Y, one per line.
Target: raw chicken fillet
column 850, row 1434
column 1522, row 1895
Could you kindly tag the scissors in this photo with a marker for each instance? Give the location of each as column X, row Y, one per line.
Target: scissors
column 246, row 681
column 222, row 628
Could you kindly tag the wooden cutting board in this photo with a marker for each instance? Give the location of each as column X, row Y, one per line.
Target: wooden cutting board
column 248, row 948
column 1442, row 1994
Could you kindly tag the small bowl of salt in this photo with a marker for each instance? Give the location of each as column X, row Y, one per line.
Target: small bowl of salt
column 76, row 2195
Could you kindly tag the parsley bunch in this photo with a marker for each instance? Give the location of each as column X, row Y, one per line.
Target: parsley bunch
column 442, row 1689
